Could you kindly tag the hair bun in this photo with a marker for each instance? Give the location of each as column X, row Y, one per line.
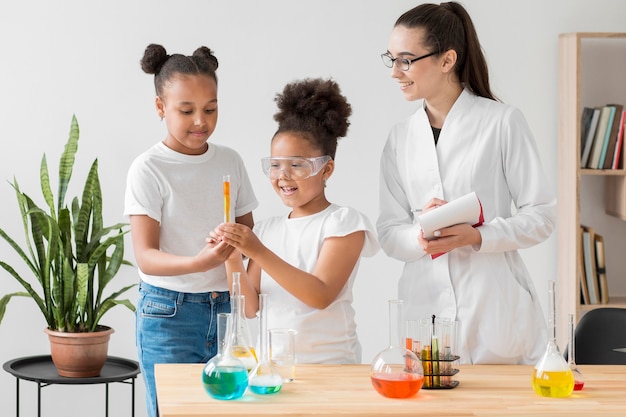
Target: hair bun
column 153, row 58
column 207, row 54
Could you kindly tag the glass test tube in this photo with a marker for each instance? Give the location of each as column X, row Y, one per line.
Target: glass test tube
column 425, row 329
column 226, row 198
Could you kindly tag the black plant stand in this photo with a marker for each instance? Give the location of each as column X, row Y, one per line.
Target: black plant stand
column 41, row 370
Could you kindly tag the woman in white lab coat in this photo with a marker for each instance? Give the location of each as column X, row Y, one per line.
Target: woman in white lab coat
column 461, row 139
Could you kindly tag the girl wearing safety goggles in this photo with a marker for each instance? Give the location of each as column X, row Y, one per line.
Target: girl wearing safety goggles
column 306, row 260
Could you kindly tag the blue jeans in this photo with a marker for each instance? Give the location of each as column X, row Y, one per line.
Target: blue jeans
column 175, row 327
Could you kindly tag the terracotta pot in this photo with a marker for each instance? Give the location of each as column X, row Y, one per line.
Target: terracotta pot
column 79, row 355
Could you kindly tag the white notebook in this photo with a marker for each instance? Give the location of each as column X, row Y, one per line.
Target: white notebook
column 466, row 209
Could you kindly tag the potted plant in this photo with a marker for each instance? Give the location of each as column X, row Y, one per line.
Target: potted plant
column 72, row 258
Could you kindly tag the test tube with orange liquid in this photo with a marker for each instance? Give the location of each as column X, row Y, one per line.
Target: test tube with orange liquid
column 226, row 198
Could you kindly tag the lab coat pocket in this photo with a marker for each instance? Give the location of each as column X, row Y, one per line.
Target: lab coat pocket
column 513, row 330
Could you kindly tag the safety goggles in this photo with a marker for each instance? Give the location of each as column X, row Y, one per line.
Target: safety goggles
column 293, row 168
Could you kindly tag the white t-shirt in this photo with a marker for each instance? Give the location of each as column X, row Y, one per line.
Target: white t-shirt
column 184, row 193
column 323, row 336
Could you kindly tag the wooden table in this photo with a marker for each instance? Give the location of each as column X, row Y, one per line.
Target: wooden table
column 332, row 390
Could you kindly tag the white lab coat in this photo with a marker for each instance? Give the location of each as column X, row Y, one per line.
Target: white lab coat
column 487, row 147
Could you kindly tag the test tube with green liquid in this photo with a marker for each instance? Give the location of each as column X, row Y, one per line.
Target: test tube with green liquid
column 435, row 355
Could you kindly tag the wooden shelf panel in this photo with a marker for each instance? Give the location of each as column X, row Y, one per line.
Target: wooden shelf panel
column 585, row 79
column 613, row 172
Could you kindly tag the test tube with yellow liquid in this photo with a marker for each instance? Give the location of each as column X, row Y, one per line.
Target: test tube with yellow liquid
column 226, row 179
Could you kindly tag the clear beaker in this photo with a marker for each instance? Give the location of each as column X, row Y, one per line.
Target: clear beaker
column 264, row 378
column 242, row 347
column 396, row 372
column 579, row 381
column 552, row 376
column 283, row 352
column 225, row 377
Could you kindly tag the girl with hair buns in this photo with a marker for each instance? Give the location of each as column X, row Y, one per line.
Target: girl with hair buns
column 307, row 259
column 174, row 199
column 461, row 139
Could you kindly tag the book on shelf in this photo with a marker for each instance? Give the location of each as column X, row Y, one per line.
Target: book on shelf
column 598, row 139
column 601, row 269
column 588, row 124
column 617, row 156
column 607, row 160
column 582, row 277
column 589, row 255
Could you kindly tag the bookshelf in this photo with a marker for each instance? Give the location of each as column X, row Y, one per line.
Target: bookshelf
column 592, row 72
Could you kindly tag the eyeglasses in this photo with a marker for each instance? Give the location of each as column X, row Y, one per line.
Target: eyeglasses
column 403, row 64
column 294, row 168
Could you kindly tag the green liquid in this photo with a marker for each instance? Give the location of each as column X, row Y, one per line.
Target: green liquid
column 266, row 384
column 226, row 382
column 261, row 389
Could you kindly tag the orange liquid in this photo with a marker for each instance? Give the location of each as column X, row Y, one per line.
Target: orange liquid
column 397, row 385
column 226, row 201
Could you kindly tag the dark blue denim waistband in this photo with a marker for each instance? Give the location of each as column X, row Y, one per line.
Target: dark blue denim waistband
column 213, row 297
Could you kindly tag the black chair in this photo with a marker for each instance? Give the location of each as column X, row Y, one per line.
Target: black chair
column 601, row 337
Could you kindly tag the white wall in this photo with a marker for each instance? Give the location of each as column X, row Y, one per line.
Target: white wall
column 82, row 57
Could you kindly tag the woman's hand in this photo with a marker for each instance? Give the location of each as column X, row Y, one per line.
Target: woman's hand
column 433, row 203
column 450, row 238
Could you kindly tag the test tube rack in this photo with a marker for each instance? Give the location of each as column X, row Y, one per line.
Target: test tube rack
column 438, row 373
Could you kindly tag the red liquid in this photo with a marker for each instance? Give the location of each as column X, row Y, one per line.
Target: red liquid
column 397, row 385
column 578, row 385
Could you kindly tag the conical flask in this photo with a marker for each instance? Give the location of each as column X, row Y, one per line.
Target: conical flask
column 240, row 347
column 579, row 381
column 552, row 376
column 396, row 372
column 243, row 347
column 264, row 378
column 225, row 377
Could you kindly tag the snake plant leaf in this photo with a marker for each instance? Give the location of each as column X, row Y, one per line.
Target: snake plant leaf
column 86, row 212
column 110, row 303
column 66, row 163
column 96, row 238
column 5, row 300
column 94, row 182
column 57, row 309
column 30, row 292
column 107, row 272
column 64, row 233
column 46, row 190
column 23, row 204
column 82, row 286
column 20, row 252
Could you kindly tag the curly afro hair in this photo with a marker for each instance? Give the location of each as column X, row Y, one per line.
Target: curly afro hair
column 316, row 110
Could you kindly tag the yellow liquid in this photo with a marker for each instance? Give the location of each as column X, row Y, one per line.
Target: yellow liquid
column 246, row 356
column 553, row 384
